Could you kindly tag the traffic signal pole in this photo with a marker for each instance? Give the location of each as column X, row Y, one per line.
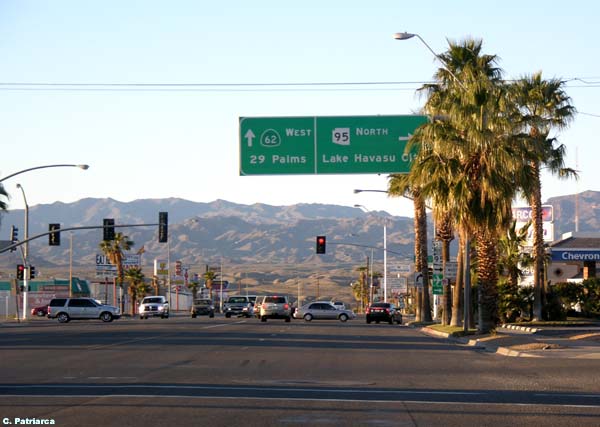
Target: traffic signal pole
column 88, row 227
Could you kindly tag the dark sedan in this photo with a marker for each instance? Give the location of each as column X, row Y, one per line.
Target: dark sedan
column 383, row 312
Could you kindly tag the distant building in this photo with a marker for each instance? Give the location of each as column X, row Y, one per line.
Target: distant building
column 575, row 256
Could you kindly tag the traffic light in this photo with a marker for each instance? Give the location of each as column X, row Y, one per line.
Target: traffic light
column 54, row 236
column 321, row 242
column 31, row 272
column 163, row 227
column 14, row 236
column 20, row 272
column 109, row 228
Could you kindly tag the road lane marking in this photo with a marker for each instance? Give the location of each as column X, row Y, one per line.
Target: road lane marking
column 300, row 399
column 156, row 337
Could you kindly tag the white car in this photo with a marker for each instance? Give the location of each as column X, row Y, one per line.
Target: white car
column 154, row 306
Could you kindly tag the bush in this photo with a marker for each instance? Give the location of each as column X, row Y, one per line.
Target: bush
column 585, row 295
column 514, row 302
column 554, row 309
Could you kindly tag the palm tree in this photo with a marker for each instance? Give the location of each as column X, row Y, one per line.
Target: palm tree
column 113, row 249
column 511, row 258
column 209, row 276
column 400, row 186
column 3, row 195
column 543, row 105
column 359, row 289
column 193, row 285
column 468, row 159
column 3, row 200
column 137, row 286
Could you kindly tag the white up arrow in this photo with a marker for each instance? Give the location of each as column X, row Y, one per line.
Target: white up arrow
column 249, row 136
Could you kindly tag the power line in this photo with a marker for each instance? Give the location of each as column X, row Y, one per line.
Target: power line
column 248, row 86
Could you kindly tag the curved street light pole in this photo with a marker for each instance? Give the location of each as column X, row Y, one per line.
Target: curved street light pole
column 84, row 167
column 406, row 36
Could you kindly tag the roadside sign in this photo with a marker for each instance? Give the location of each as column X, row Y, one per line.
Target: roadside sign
column 326, row 145
column 438, row 276
column 402, row 268
column 419, row 280
column 105, row 269
column 451, row 269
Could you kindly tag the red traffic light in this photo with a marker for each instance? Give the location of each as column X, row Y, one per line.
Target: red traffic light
column 20, row 271
column 321, row 244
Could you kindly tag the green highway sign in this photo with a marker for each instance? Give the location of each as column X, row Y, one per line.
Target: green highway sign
column 326, row 145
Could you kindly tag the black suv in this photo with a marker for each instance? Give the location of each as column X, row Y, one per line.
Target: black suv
column 65, row 309
column 383, row 312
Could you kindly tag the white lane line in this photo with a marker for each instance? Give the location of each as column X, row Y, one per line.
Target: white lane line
column 157, row 337
column 224, row 324
column 300, row 399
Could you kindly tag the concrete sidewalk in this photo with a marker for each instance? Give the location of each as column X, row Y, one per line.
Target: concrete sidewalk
column 552, row 342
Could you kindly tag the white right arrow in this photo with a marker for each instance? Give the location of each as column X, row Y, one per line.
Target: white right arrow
column 404, row 138
column 249, row 136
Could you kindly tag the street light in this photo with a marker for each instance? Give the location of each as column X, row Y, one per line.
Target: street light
column 84, row 167
column 384, row 252
column 26, row 233
column 25, row 253
column 406, row 36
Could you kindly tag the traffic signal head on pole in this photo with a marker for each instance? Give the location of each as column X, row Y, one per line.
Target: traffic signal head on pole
column 109, row 228
column 54, row 236
column 321, row 244
column 31, row 272
column 20, row 272
column 163, row 227
column 14, row 236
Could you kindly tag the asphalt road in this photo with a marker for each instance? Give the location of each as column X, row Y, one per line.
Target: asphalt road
column 196, row 372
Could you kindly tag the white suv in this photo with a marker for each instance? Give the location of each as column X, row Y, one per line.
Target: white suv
column 154, row 306
column 65, row 309
column 275, row 307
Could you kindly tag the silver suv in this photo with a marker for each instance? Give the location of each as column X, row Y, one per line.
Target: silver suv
column 154, row 306
column 275, row 307
column 65, row 309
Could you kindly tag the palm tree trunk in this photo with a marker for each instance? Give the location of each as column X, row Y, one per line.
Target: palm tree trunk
column 457, row 296
column 487, row 277
column 444, row 232
column 421, row 254
column 538, row 243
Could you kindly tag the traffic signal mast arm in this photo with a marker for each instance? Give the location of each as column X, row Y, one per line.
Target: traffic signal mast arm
column 87, row 227
column 365, row 246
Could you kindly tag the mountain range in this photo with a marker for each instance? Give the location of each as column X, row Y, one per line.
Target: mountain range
column 209, row 233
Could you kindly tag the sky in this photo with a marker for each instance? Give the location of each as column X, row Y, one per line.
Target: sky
column 180, row 140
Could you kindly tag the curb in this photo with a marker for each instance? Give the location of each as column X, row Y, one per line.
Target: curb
column 476, row 343
column 520, row 328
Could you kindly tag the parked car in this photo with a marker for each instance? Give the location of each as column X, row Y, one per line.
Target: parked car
column 65, row 309
column 323, row 310
column 203, row 307
column 275, row 307
column 154, row 306
column 40, row 311
column 238, row 305
column 383, row 312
